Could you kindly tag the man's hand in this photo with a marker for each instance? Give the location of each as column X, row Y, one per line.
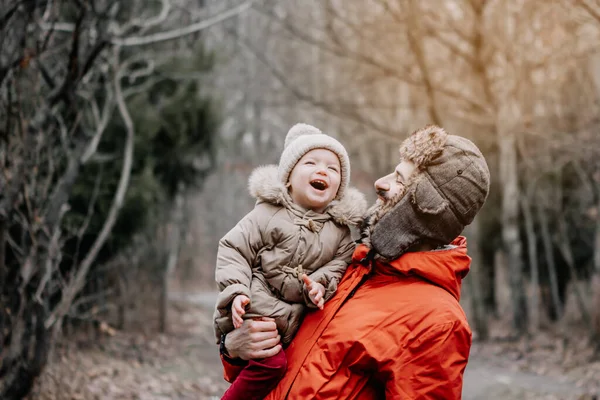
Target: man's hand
column 315, row 290
column 255, row 338
column 238, row 309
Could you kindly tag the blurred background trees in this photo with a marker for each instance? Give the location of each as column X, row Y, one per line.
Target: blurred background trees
column 519, row 78
column 128, row 130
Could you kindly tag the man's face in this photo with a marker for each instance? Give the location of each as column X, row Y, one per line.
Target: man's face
column 393, row 186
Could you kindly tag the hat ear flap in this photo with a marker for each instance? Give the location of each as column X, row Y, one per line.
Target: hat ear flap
column 427, row 199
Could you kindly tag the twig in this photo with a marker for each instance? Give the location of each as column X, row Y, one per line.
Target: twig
column 101, row 124
column 90, row 213
column 53, row 252
column 177, row 33
column 91, row 298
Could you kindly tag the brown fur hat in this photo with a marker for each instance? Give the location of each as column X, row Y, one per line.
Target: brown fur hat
column 447, row 190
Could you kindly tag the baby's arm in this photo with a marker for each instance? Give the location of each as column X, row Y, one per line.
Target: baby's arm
column 331, row 273
column 236, row 254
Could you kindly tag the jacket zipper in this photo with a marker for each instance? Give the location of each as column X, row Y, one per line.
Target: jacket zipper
column 353, row 291
column 367, row 260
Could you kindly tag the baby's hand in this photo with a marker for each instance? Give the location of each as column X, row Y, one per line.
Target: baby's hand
column 316, row 291
column 238, row 309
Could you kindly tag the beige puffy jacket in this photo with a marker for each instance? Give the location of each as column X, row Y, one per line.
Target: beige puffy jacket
column 265, row 254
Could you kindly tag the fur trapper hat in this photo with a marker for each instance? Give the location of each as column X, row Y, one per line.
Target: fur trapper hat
column 447, row 190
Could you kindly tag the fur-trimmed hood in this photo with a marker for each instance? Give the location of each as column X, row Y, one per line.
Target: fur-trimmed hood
column 264, row 185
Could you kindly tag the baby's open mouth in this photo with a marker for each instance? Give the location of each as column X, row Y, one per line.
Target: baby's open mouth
column 319, row 184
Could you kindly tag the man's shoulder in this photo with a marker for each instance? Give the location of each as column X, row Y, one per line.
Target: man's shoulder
column 439, row 314
column 437, row 303
column 416, row 303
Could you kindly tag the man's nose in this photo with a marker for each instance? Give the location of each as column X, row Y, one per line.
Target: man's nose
column 381, row 185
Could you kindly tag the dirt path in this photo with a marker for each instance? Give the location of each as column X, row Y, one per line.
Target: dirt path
column 486, row 381
column 184, row 365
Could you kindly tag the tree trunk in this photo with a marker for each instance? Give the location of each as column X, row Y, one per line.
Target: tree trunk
column 533, row 263
column 123, row 301
column 480, row 64
column 3, row 310
column 510, row 215
column 415, row 37
column 474, row 282
column 164, row 304
column 175, row 234
column 550, row 262
column 597, row 239
column 3, row 229
column 567, row 252
column 596, row 283
column 19, row 370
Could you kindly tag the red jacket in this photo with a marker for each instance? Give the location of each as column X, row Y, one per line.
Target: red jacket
column 397, row 333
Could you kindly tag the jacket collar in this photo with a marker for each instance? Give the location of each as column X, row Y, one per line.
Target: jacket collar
column 264, row 185
column 445, row 267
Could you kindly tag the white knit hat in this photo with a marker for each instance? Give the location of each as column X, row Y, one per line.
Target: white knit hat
column 302, row 138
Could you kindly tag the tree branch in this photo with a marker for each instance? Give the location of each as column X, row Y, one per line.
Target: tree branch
column 400, row 73
column 101, row 124
column 415, row 37
column 72, row 67
column 53, row 252
column 3, row 240
column 78, row 280
column 88, row 218
column 177, row 33
column 378, row 131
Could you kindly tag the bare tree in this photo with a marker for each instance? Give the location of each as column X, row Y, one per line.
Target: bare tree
column 65, row 68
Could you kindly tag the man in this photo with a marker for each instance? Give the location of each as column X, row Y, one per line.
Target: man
column 395, row 329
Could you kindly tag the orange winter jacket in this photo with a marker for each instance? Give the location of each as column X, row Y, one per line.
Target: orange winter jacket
column 393, row 330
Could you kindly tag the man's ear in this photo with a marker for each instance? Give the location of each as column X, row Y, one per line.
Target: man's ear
column 426, row 198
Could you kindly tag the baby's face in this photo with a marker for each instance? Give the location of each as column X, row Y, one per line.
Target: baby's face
column 315, row 180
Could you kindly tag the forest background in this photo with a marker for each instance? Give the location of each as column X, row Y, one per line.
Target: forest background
column 128, row 130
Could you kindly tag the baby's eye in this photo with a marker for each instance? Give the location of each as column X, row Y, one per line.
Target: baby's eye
column 309, row 162
column 334, row 169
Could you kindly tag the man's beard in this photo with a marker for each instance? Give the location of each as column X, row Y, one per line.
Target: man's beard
column 377, row 211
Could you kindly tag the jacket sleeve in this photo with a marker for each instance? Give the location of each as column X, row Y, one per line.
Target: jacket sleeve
column 431, row 367
column 330, row 274
column 232, row 368
column 237, row 252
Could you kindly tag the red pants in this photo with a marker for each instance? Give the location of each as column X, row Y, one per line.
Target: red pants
column 257, row 379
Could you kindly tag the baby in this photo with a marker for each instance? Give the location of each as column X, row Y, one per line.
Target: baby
column 290, row 251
